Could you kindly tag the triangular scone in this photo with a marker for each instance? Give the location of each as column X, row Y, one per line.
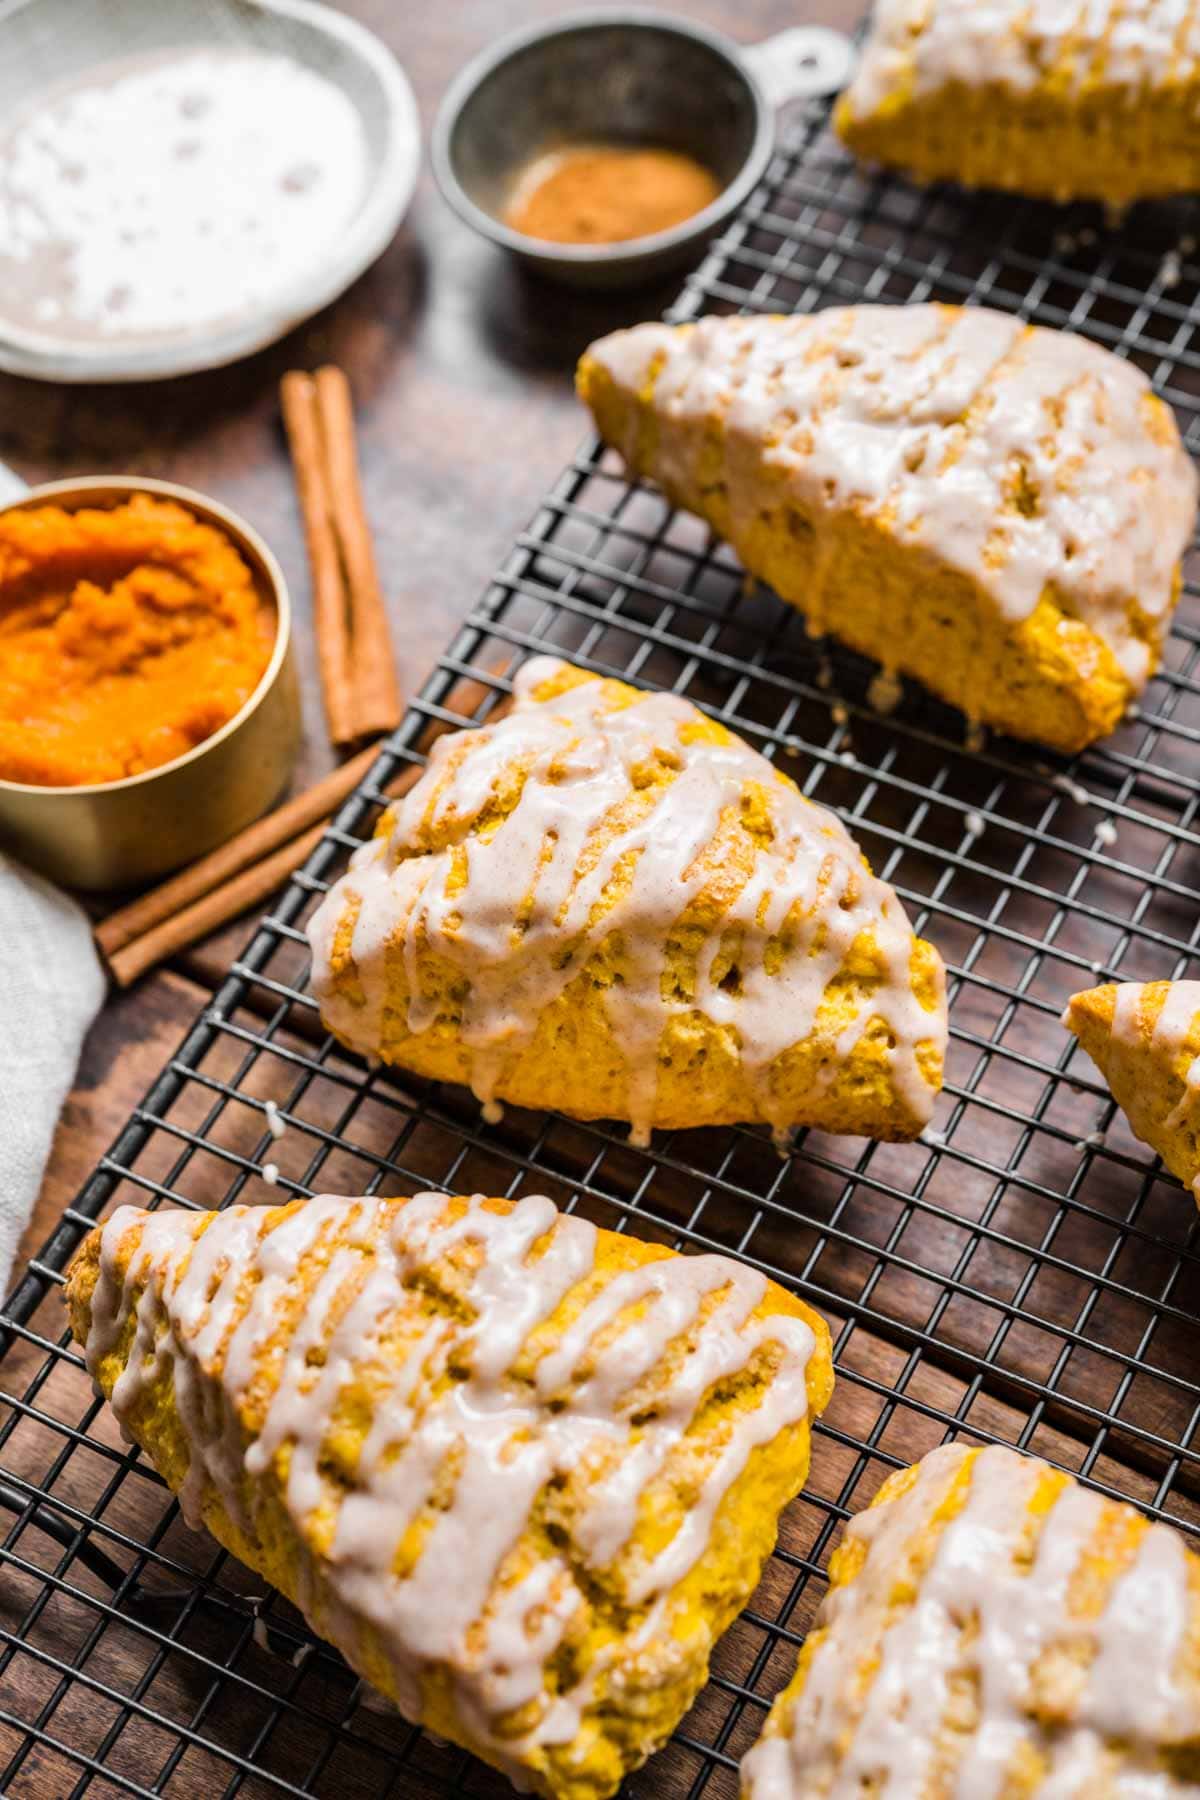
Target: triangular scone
column 1145, row 1041
column 607, row 904
column 520, row 1471
column 997, row 509
column 1096, row 99
column 994, row 1630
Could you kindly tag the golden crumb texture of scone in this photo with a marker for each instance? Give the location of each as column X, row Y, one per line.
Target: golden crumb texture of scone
column 521, row 1471
column 994, row 1628
column 1144, row 1037
column 1090, row 101
column 606, row 903
column 997, row 509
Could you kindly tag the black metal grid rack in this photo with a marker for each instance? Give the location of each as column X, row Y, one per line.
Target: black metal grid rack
column 1024, row 1273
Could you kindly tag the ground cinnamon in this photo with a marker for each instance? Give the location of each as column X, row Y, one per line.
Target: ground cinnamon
column 608, row 193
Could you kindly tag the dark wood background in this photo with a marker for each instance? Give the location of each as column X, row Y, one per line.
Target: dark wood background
column 462, row 368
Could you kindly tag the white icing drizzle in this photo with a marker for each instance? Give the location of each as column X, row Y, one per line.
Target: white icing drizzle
column 922, row 45
column 980, row 1614
column 210, row 1309
column 1171, row 1030
column 943, row 418
column 544, row 866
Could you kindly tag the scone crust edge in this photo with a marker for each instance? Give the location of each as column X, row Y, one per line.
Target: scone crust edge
column 658, row 1685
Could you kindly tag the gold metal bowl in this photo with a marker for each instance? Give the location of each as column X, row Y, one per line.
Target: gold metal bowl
column 116, row 833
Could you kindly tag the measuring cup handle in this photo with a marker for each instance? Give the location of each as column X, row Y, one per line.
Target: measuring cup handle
column 800, row 63
column 11, row 485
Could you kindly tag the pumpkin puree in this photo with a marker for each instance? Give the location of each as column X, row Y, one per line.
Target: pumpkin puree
column 127, row 636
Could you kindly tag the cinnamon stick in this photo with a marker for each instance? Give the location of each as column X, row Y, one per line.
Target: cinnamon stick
column 331, row 604
column 249, row 888
column 199, row 905
column 376, row 691
column 249, row 846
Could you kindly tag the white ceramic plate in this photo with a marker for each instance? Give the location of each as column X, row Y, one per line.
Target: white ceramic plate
column 44, row 41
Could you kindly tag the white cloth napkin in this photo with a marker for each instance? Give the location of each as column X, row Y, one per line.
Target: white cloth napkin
column 51, row 986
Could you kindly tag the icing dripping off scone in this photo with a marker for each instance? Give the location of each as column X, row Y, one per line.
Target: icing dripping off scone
column 468, row 1425
column 577, row 845
column 1037, row 1647
column 1031, row 460
column 925, row 45
column 1173, row 1027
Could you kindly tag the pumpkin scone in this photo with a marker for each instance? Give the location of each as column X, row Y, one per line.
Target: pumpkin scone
column 1145, row 1040
column 997, row 509
column 607, row 904
column 994, row 1631
column 521, row 1471
column 1096, row 99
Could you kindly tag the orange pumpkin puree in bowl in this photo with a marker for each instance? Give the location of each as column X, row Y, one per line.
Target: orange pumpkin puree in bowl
column 128, row 635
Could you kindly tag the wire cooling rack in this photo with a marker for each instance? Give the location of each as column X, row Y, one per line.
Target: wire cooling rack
column 1025, row 1273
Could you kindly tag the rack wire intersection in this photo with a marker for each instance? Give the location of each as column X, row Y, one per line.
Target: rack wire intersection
column 1024, row 1273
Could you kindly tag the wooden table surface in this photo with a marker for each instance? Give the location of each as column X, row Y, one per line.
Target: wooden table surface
column 462, row 370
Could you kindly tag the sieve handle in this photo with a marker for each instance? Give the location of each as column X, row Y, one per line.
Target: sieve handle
column 801, row 63
column 11, row 486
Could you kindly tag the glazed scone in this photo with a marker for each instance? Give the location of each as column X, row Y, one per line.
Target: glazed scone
column 1145, row 1041
column 520, row 1471
column 994, row 1631
column 1096, row 99
column 997, row 509
column 607, row 904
